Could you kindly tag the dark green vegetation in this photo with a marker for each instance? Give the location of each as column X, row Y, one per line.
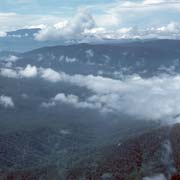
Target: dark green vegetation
column 54, row 154
column 46, row 150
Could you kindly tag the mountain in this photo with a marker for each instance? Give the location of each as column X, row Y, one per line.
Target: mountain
column 139, row 156
column 22, row 40
column 145, row 58
column 28, row 33
column 90, row 111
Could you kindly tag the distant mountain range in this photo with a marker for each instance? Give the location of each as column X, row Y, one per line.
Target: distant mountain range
column 146, row 58
column 23, row 40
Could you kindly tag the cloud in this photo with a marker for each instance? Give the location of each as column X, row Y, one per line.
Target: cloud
column 29, row 71
column 141, row 13
column 6, row 101
column 105, row 17
column 8, row 73
column 135, row 96
column 72, row 29
column 51, row 75
column 89, row 53
column 67, row 59
column 116, row 20
column 144, row 98
column 168, row 31
column 38, row 26
column 91, row 31
column 71, row 100
column 12, row 21
column 3, row 34
column 11, row 58
column 107, row 20
column 172, row 27
column 159, row 2
column 4, row 20
column 156, row 177
column 70, row 60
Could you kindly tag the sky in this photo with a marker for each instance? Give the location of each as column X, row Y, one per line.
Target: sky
column 97, row 18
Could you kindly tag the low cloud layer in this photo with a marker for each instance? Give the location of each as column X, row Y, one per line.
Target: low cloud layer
column 155, row 98
column 144, row 98
column 84, row 28
column 27, row 72
column 6, row 101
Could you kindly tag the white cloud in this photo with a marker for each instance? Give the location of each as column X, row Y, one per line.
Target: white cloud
column 6, row 101
column 3, row 34
column 29, row 71
column 8, row 73
column 72, row 29
column 144, row 98
column 156, row 177
column 148, row 98
column 38, row 26
column 141, row 13
column 170, row 28
column 83, row 28
column 61, row 24
column 67, row 59
column 120, row 19
column 160, row 2
column 11, row 58
column 51, row 75
column 110, row 16
column 71, row 100
column 62, row 98
column 70, row 60
column 107, row 20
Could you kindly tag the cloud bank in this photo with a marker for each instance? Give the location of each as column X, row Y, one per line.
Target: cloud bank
column 144, row 98
column 90, row 32
column 155, row 98
column 116, row 19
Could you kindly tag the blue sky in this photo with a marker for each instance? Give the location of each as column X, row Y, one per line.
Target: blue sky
column 65, row 7
column 108, row 15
